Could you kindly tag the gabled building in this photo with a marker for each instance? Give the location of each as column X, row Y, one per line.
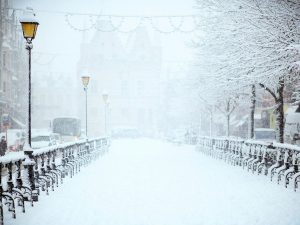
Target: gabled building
column 129, row 73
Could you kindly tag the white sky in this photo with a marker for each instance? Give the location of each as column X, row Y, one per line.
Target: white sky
column 55, row 36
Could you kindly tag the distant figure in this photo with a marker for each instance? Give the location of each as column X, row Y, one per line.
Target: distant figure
column 187, row 137
column 3, row 146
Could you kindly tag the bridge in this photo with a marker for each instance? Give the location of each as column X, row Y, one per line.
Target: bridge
column 145, row 181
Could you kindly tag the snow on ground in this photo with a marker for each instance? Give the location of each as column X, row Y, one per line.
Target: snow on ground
column 149, row 182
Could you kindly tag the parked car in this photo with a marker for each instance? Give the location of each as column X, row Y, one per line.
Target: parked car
column 176, row 136
column 57, row 138
column 265, row 134
column 15, row 139
column 40, row 140
column 292, row 124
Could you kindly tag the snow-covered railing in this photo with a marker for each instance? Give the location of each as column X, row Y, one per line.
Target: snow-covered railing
column 273, row 159
column 24, row 175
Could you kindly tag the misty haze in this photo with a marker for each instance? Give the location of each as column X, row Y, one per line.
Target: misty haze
column 150, row 112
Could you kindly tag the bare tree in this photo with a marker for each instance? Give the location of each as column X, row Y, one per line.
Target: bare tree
column 251, row 35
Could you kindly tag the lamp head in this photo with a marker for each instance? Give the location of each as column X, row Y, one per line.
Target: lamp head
column 29, row 24
column 105, row 96
column 85, row 81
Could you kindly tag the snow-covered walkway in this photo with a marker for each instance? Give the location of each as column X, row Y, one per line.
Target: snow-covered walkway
column 148, row 182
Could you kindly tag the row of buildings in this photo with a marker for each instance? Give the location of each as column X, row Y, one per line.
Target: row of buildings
column 129, row 71
column 13, row 67
column 142, row 95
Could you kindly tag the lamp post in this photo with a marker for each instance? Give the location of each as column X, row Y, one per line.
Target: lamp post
column 107, row 117
column 85, row 81
column 29, row 27
column 105, row 99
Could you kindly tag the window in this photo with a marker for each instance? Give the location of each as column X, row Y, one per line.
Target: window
column 125, row 113
column 124, row 87
column 4, row 59
column 4, row 86
column 140, row 88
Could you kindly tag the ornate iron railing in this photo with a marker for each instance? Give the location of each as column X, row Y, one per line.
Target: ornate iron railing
column 271, row 159
column 24, row 175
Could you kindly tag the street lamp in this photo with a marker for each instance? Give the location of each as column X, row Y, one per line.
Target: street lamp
column 105, row 99
column 107, row 117
column 85, row 81
column 29, row 26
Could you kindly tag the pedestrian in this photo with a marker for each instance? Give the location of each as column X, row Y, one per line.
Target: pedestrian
column 3, row 146
column 187, row 137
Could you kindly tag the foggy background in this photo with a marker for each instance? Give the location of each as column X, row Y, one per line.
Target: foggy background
column 58, row 63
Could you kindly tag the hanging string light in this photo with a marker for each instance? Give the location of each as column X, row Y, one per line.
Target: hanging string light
column 90, row 18
column 155, row 21
column 115, row 27
column 179, row 25
column 170, row 26
column 156, row 28
column 138, row 23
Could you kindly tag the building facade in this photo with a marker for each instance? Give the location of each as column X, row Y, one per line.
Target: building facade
column 53, row 95
column 129, row 73
column 13, row 67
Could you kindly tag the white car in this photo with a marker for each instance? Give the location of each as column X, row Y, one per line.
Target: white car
column 57, row 138
column 292, row 123
column 41, row 140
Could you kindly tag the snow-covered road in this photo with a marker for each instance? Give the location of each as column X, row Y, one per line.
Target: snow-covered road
column 149, row 182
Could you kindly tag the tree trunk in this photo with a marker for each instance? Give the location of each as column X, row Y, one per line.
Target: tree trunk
column 252, row 111
column 228, row 119
column 210, row 123
column 280, row 112
column 279, row 108
column 200, row 124
column 228, row 124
